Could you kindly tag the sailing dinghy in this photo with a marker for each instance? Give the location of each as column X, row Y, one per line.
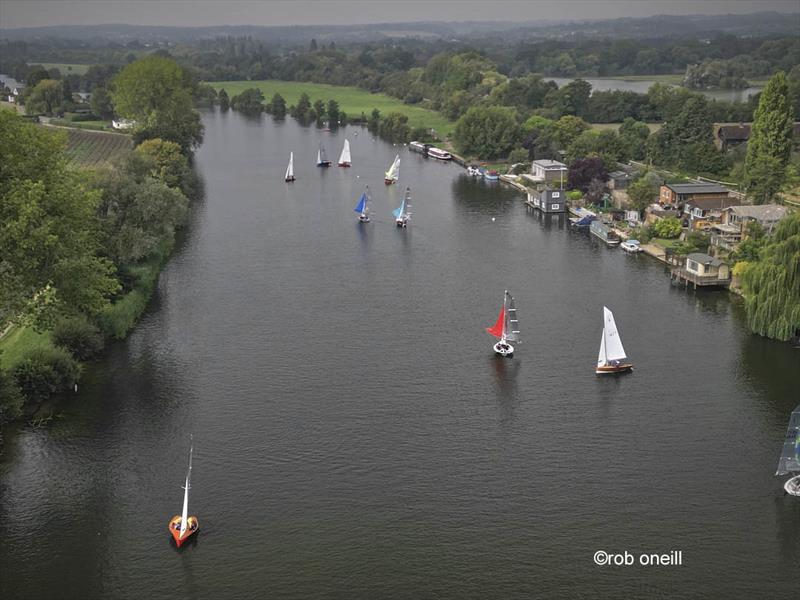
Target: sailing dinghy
column 403, row 212
column 393, row 174
column 506, row 329
column 789, row 462
column 362, row 208
column 182, row 526
column 611, row 358
column 344, row 157
column 290, row 169
column 322, row 157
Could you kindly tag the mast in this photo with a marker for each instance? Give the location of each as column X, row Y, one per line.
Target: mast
column 185, row 513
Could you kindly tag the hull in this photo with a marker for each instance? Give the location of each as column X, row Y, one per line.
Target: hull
column 344, row 164
column 324, row 163
column 175, row 529
column 401, row 222
column 792, row 486
column 631, row 249
column 290, row 179
column 389, row 181
column 363, row 219
column 611, row 369
column 504, row 349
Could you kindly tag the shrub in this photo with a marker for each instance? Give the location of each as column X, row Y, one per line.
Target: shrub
column 11, row 399
column 46, row 371
column 79, row 337
column 668, row 228
column 518, row 155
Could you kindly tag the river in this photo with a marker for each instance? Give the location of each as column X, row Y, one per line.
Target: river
column 641, row 86
column 355, row 436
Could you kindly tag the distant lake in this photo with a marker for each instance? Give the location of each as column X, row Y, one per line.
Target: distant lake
column 641, row 87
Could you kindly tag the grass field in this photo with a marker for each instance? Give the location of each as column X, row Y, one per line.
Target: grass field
column 18, row 342
column 653, row 127
column 93, row 149
column 351, row 100
column 65, row 68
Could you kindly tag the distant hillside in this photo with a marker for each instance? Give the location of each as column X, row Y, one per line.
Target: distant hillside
column 695, row 26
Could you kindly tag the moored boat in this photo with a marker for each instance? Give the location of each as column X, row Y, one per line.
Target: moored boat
column 491, row 175
column 612, row 358
column 439, row 154
column 506, row 328
column 393, row 174
column 322, row 157
column 344, row 157
column 473, row 170
column 183, row 526
column 289, row 177
column 604, row 233
column 403, row 213
column 362, row 208
column 418, row 147
column 632, row 246
column 789, row 462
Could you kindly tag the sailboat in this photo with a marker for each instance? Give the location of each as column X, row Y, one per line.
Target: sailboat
column 290, row 169
column 344, row 157
column 322, row 157
column 403, row 212
column 790, row 457
column 363, row 206
column 611, row 358
column 506, row 328
column 182, row 526
column 393, row 174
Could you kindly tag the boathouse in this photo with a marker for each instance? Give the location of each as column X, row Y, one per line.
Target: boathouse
column 548, row 200
column 703, row 270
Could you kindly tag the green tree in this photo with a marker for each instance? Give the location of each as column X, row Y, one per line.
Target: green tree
column 333, row 111
column 770, row 142
column 169, row 165
column 633, row 135
column 156, row 92
column 277, row 106
column 487, row 132
column 11, row 399
column 642, row 193
column 250, row 101
column 567, row 129
column 101, row 103
column 47, row 97
column 668, row 228
column 771, row 284
column 303, row 107
column 224, row 101
column 49, row 235
column 319, row 108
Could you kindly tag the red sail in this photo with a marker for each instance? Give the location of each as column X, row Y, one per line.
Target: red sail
column 497, row 329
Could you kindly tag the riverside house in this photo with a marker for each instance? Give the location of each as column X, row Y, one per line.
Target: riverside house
column 703, row 213
column 548, row 171
column 678, row 194
column 703, row 270
column 548, row 200
column 732, row 230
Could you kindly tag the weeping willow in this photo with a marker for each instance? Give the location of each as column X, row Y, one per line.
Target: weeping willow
column 771, row 284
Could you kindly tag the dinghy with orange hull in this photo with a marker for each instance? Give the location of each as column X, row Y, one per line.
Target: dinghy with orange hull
column 611, row 358
column 182, row 526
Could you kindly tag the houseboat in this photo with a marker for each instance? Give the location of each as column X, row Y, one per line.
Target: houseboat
column 604, row 232
column 582, row 218
column 547, row 200
column 439, row 154
column 418, row 147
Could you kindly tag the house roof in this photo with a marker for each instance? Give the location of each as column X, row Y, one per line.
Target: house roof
column 696, row 188
column 763, row 212
column 711, row 203
column 704, row 259
column 741, row 131
column 550, row 164
column 619, row 175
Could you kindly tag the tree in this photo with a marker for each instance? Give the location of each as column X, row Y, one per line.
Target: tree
column 49, row 235
column 101, row 103
column 771, row 283
column 47, row 97
column 567, row 129
column 224, row 101
column 487, row 132
column 303, row 107
column 583, row 171
column 319, row 108
column 277, row 106
column 11, row 399
column 633, row 135
column 571, row 99
column 642, row 193
column 668, row 228
column 333, row 111
column 157, row 94
column 394, row 127
column 770, row 142
column 250, row 101
column 313, row 45
column 169, row 165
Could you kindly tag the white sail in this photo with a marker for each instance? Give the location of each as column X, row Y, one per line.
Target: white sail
column 319, row 156
column 394, row 170
column 510, row 323
column 601, row 357
column 185, row 513
column 344, row 157
column 613, row 343
column 290, row 168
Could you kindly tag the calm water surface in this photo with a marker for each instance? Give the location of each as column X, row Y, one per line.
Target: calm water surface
column 641, row 87
column 355, row 437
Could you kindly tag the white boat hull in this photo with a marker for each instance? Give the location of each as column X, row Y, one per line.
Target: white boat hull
column 363, row 219
column 504, row 349
column 633, row 249
column 401, row 222
column 792, row 486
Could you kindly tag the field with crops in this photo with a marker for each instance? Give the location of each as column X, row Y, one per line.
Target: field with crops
column 94, row 149
column 351, row 100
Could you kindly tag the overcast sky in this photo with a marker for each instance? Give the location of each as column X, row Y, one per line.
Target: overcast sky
column 35, row 13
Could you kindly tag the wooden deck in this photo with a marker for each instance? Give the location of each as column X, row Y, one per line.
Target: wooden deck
column 686, row 277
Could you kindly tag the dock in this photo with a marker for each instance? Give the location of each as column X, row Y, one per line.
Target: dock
column 686, row 277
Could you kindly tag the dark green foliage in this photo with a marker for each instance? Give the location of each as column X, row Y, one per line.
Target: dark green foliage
column 642, row 193
column 101, row 103
column 224, row 101
column 585, row 170
column 11, row 398
column 394, row 127
column 249, row 101
column 44, row 372
column 771, row 283
column 770, row 142
column 277, row 106
column 79, row 337
column 333, row 112
column 668, row 228
column 303, row 108
column 517, row 155
column 487, row 132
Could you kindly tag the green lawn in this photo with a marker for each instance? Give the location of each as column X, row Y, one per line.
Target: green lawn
column 653, row 127
column 18, row 342
column 664, row 243
column 351, row 100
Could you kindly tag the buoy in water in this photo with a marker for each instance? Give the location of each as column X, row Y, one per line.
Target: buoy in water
column 492, row 219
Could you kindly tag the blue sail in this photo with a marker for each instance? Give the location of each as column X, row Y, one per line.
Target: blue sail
column 397, row 212
column 362, row 204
